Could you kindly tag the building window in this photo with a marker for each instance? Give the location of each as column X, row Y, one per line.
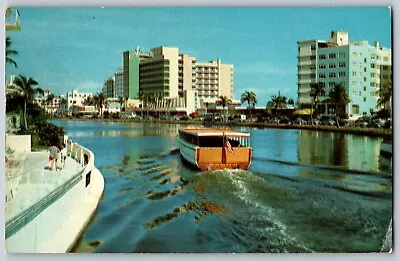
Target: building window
column 355, row 109
column 342, row 74
column 332, row 55
column 365, row 88
column 372, row 94
column 354, row 64
column 332, row 75
column 312, row 47
column 332, row 65
column 373, row 56
column 354, row 73
column 359, row 93
column 342, row 55
column 354, row 84
column 354, row 54
column 322, row 75
column 354, row 93
column 386, row 58
column 373, row 65
column 342, row 64
column 331, row 84
column 365, row 99
column 322, row 66
column 322, row 57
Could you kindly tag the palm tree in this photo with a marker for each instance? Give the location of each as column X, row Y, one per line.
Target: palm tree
column 63, row 103
column 88, row 101
column 98, row 101
column 25, row 88
column 141, row 99
column 250, row 98
column 223, row 100
column 317, row 90
column 290, row 102
column 338, row 97
column 279, row 102
column 385, row 96
column 270, row 106
column 121, row 102
column 10, row 52
column 49, row 100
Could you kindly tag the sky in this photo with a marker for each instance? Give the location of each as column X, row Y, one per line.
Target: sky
column 66, row 48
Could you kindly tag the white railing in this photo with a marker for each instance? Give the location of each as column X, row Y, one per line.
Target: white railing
column 28, row 231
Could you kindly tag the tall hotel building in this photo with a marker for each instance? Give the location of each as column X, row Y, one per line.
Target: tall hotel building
column 131, row 61
column 167, row 74
column 358, row 66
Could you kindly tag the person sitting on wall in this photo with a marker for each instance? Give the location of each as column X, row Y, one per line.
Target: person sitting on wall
column 53, row 153
column 63, row 154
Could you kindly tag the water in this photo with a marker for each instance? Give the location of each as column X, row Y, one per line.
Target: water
column 304, row 192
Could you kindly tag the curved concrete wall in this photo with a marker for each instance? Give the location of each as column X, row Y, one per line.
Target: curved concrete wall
column 54, row 223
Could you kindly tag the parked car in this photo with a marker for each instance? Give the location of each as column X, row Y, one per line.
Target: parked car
column 328, row 120
column 315, row 122
column 300, row 121
column 284, row 120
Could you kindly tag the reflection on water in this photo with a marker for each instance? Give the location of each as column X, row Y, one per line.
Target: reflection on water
column 304, row 192
column 339, row 149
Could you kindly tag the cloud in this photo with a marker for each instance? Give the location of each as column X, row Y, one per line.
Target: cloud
column 263, row 68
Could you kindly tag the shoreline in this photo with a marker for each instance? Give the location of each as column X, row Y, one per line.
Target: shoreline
column 372, row 132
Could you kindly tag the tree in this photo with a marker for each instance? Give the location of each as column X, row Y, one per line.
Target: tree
column 223, row 100
column 25, row 89
column 279, row 102
column 49, row 100
column 89, row 101
column 98, row 102
column 121, row 102
column 290, row 102
column 384, row 96
column 338, row 97
column 10, row 52
column 317, row 90
column 101, row 102
column 250, row 98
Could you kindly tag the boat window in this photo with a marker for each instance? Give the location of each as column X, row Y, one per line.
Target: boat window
column 211, row 142
column 189, row 138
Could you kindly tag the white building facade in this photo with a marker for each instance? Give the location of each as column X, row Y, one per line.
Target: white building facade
column 360, row 67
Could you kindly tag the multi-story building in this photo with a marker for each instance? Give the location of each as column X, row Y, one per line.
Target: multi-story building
column 214, row 79
column 75, row 98
column 159, row 73
column 131, row 61
column 108, row 87
column 175, row 79
column 119, row 83
column 358, row 66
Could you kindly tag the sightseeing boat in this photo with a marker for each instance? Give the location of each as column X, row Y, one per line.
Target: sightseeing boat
column 212, row 149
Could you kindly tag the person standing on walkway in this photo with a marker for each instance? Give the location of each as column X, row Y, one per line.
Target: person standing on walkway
column 63, row 154
column 53, row 153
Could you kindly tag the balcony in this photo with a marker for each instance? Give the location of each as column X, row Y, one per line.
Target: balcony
column 12, row 20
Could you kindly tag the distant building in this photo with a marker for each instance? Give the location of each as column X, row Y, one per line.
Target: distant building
column 108, row 88
column 75, row 98
column 131, row 60
column 167, row 78
column 119, row 83
column 360, row 67
column 214, row 79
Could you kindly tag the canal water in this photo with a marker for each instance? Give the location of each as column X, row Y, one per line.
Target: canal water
column 306, row 191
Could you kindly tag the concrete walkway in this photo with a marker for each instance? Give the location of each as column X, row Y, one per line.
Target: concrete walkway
column 33, row 180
